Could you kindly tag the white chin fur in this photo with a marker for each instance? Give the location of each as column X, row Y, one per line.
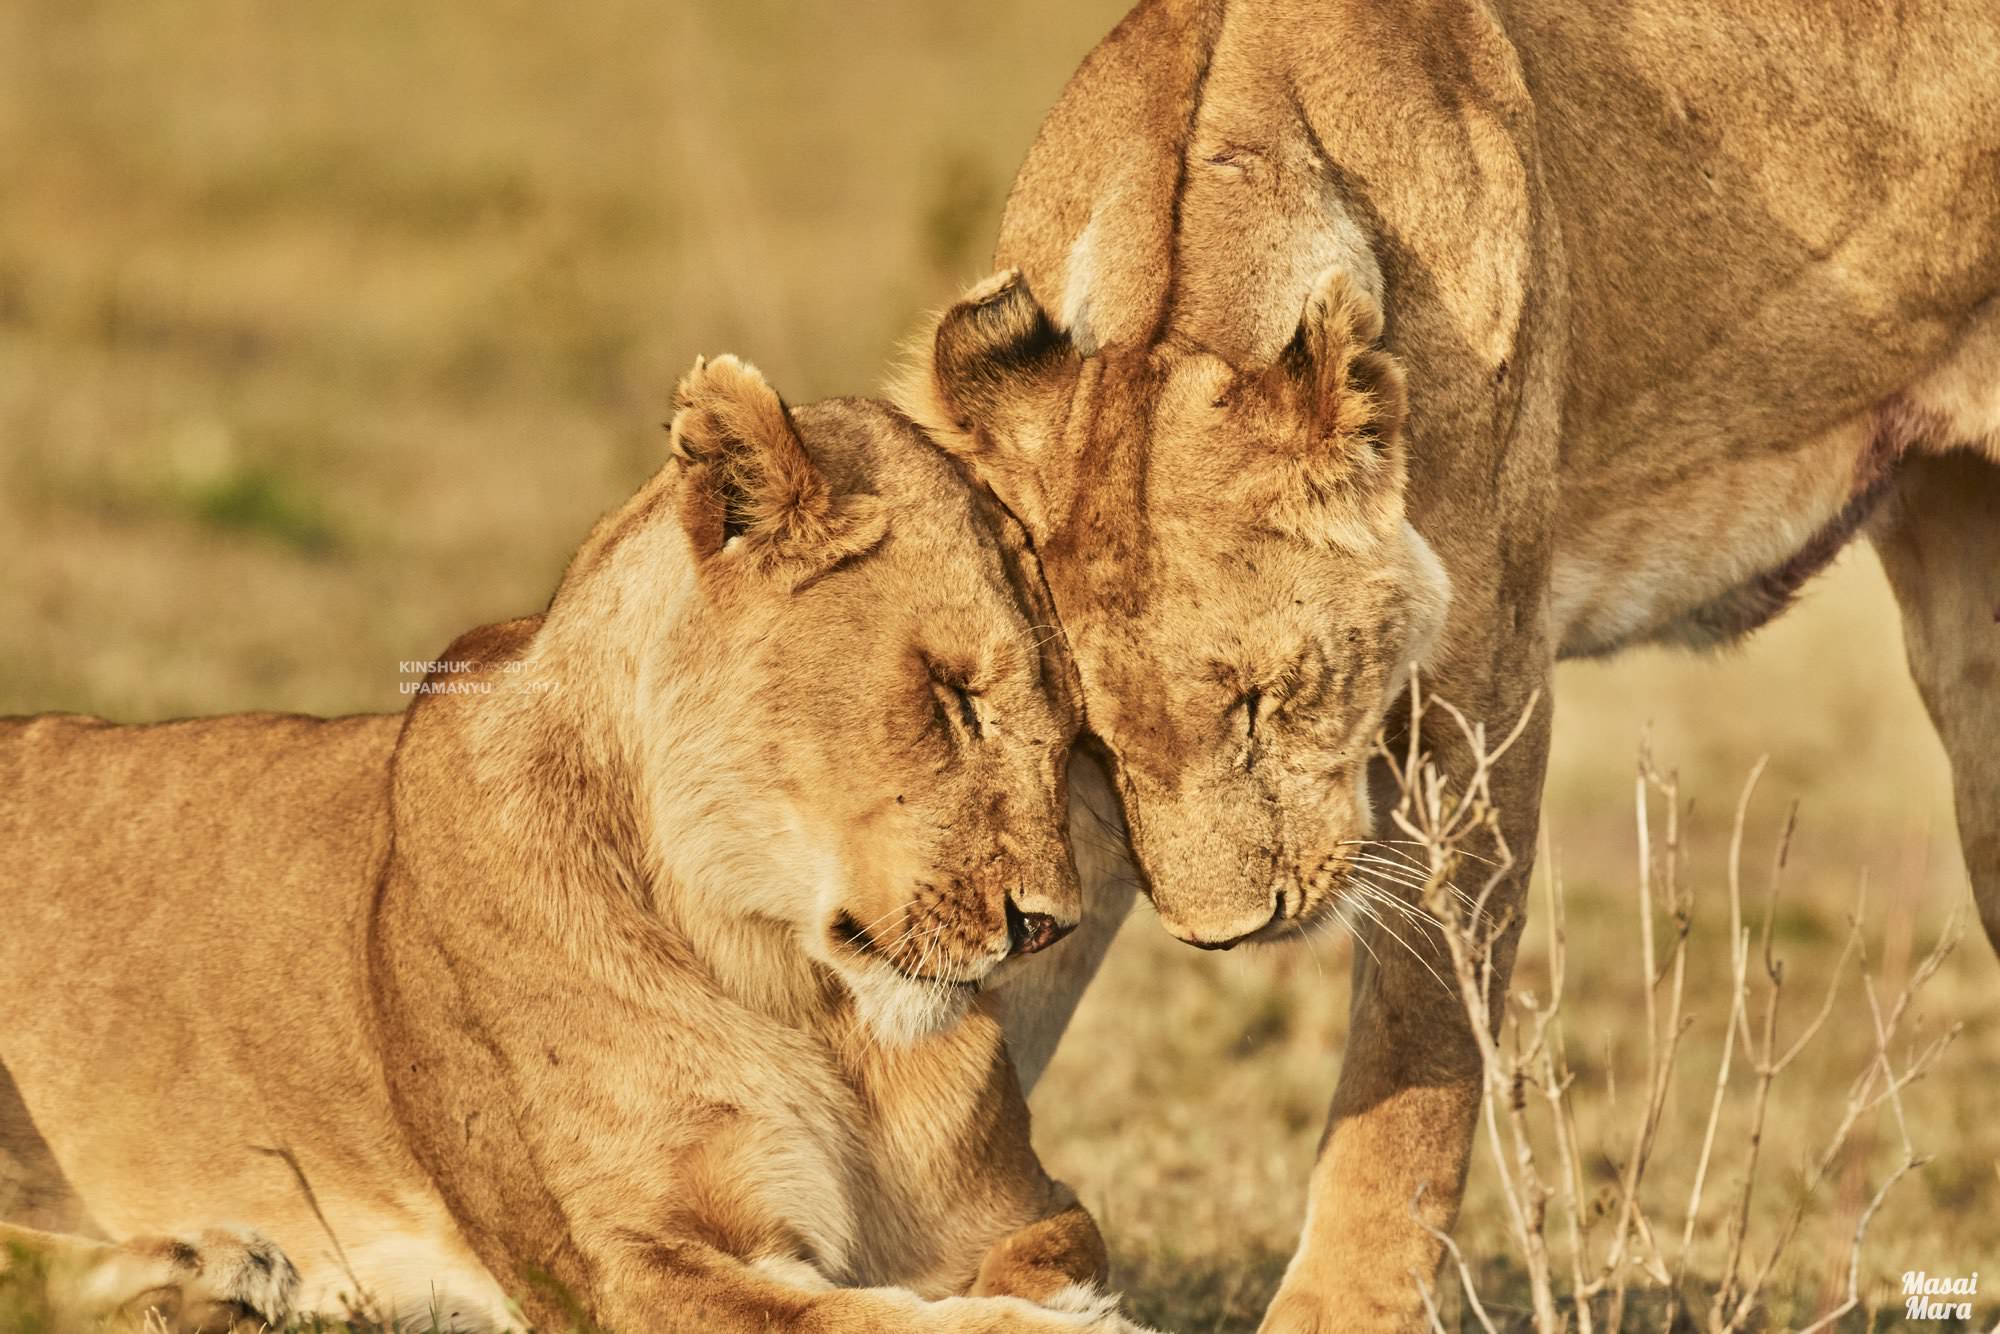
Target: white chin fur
column 898, row 1011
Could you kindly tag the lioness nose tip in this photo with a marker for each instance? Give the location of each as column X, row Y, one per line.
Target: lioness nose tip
column 1277, row 915
column 1030, row 932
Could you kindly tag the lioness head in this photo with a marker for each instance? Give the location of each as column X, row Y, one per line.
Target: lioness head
column 1229, row 560
column 856, row 725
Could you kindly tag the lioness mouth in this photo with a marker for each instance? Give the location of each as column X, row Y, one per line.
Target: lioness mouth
column 850, row 933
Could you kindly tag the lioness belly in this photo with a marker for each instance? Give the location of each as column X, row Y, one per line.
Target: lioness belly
column 1700, row 556
column 181, row 1002
column 1701, row 559
column 1779, row 243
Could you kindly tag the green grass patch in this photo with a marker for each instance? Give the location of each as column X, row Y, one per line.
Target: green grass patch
column 261, row 501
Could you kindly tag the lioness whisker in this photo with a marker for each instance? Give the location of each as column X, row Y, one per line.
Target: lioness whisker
column 1416, row 843
column 1397, row 873
column 868, row 928
column 1113, row 848
column 1113, row 827
column 1359, row 910
column 1369, row 859
column 1388, row 874
column 896, row 942
column 1400, row 856
column 1401, row 905
column 930, row 936
column 1413, row 952
column 1318, row 968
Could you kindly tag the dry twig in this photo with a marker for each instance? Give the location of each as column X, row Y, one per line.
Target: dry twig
column 1527, row 1080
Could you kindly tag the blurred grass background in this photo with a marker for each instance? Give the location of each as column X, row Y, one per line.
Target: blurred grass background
column 326, row 330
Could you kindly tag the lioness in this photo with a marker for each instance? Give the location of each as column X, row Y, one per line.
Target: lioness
column 1685, row 297
column 635, row 973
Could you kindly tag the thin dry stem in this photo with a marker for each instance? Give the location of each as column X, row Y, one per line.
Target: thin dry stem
column 1525, row 1066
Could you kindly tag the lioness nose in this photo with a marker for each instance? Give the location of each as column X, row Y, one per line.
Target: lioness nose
column 1277, row 915
column 1028, row 932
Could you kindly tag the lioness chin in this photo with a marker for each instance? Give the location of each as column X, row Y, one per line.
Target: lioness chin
column 635, row 973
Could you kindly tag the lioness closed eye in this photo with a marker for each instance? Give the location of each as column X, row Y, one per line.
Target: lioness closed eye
column 636, row 970
column 1237, row 674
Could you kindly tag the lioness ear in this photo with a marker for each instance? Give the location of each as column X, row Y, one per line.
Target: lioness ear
column 1345, row 482
column 749, row 483
column 989, row 386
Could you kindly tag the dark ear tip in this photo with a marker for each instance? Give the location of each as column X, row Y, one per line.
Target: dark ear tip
column 1006, row 285
column 1305, row 351
column 998, row 325
column 722, row 403
column 1001, row 304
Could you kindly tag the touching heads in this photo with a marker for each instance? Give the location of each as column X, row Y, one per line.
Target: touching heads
column 1228, row 556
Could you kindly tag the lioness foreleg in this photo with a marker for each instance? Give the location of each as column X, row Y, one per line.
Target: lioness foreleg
column 219, row 1279
column 1392, row 1162
column 1039, row 995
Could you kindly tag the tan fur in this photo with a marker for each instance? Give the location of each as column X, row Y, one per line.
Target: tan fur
column 1682, row 297
column 635, row 972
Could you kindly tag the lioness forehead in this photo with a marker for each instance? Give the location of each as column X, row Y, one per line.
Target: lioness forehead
column 862, row 444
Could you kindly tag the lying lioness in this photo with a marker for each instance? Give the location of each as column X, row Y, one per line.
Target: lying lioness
column 634, row 974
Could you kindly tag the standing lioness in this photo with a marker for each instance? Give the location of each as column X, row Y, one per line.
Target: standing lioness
column 1631, row 315
column 634, row 973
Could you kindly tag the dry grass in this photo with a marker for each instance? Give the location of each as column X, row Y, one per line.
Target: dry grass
column 325, row 330
column 1592, row 1258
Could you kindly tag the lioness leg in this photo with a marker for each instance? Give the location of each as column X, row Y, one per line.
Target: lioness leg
column 1041, row 992
column 217, row 1280
column 1940, row 545
column 693, row 1286
column 1400, row 1132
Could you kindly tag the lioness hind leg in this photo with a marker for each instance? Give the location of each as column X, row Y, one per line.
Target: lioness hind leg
column 220, row 1279
column 1940, row 545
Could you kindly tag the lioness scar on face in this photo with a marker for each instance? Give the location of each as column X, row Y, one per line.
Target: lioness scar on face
column 652, row 941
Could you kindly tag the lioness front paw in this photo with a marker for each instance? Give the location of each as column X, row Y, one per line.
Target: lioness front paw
column 216, row 1280
column 1293, row 1313
column 1099, row 1308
